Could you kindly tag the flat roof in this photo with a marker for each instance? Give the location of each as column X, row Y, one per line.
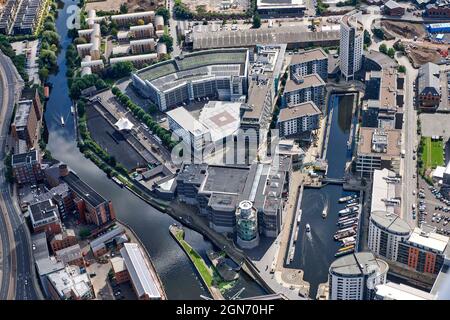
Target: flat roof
column 107, row 236
column 142, row 274
column 221, row 118
column 357, row 264
column 308, row 108
column 118, row 264
column 185, row 120
column 393, row 142
column 386, row 192
column 69, row 254
column 22, row 113
column 395, row 291
column 430, row 240
column 225, row 179
column 257, row 94
column 441, row 287
column 310, row 80
column 391, row 222
column 43, row 210
column 309, row 55
column 83, row 190
column 25, row 158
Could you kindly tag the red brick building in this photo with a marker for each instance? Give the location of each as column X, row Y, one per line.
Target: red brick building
column 63, row 240
column 434, row 11
column 392, row 8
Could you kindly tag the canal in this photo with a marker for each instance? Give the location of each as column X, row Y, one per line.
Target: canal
column 314, row 252
column 176, row 271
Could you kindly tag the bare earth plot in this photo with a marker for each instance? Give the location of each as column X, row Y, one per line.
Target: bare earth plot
column 114, row 5
column 403, row 29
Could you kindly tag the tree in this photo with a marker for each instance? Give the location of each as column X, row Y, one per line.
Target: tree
column 43, row 73
column 383, row 48
column 256, row 21
column 391, row 52
column 401, row 69
column 84, row 233
column 140, row 22
column 123, row 8
column 168, row 40
column 367, row 39
column 49, row 26
column 121, row 69
column 51, row 37
column 162, row 11
column 378, row 33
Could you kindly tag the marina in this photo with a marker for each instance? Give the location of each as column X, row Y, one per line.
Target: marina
column 331, row 196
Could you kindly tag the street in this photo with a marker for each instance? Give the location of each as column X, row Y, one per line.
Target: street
column 20, row 266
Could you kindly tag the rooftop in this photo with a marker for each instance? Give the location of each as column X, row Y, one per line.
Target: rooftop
column 394, row 291
column 83, row 190
column 308, row 108
column 386, row 192
column 70, row 282
column 118, row 264
column 69, row 254
column 22, row 113
column 393, row 137
column 42, row 211
column 429, row 240
column 25, row 158
column 108, row 236
column 309, row 55
column 225, row 179
column 311, row 80
column 357, row 265
column 391, row 222
column 428, row 79
column 185, row 120
column 142, row 274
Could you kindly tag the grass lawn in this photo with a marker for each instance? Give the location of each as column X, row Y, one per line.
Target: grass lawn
column 432, row 152
column 200, row 265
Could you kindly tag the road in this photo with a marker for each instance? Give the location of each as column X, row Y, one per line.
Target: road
column 21, row 267
column 173, row 29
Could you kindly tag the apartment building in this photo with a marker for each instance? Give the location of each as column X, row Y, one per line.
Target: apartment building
column 354, row 276
column 428, row 87
column 142, row 32
column 309, row 62
column 24, row 126
column 62, row 240
column 133, row 18
column 299, row 119
column 26, row 167
column 301, row 89
column 351, row 44
column 142, row 46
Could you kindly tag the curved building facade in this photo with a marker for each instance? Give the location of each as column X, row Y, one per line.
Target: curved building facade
column 355, row 276
column 386, row 231
column 214, row 74
column 247, row 225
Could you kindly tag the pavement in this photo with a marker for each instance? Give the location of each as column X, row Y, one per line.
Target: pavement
column 18, row 267
column 173, row 29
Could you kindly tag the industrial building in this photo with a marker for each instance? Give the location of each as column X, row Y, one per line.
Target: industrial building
column 354, row 276
column 214, row 74
column 351, row 44
column 392, row 8
column 143, row 277
column 283, row 8
column 438, row 27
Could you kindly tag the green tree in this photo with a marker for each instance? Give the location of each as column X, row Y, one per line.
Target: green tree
column 391, row 52
column 162, row 11
column 51, row 37
column 168, row 40
column 256, row 23
column 121, row 69
column 367, row 39
column 123, row 8
column 84, row 233
column 43, row 73
column 383, row 48
column 401, row 69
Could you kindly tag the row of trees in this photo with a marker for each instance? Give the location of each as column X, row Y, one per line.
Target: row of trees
column 384, row 49
column 140, row 114
column 50, row 40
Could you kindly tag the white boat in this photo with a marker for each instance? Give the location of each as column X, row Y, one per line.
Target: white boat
column 62, row 121
column 348, row 210
column 308, row 228
column 324, row 213
column 298, row 219
column 72, row 110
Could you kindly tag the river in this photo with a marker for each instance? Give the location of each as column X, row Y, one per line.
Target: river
column 314, row 252
column 177, row 273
